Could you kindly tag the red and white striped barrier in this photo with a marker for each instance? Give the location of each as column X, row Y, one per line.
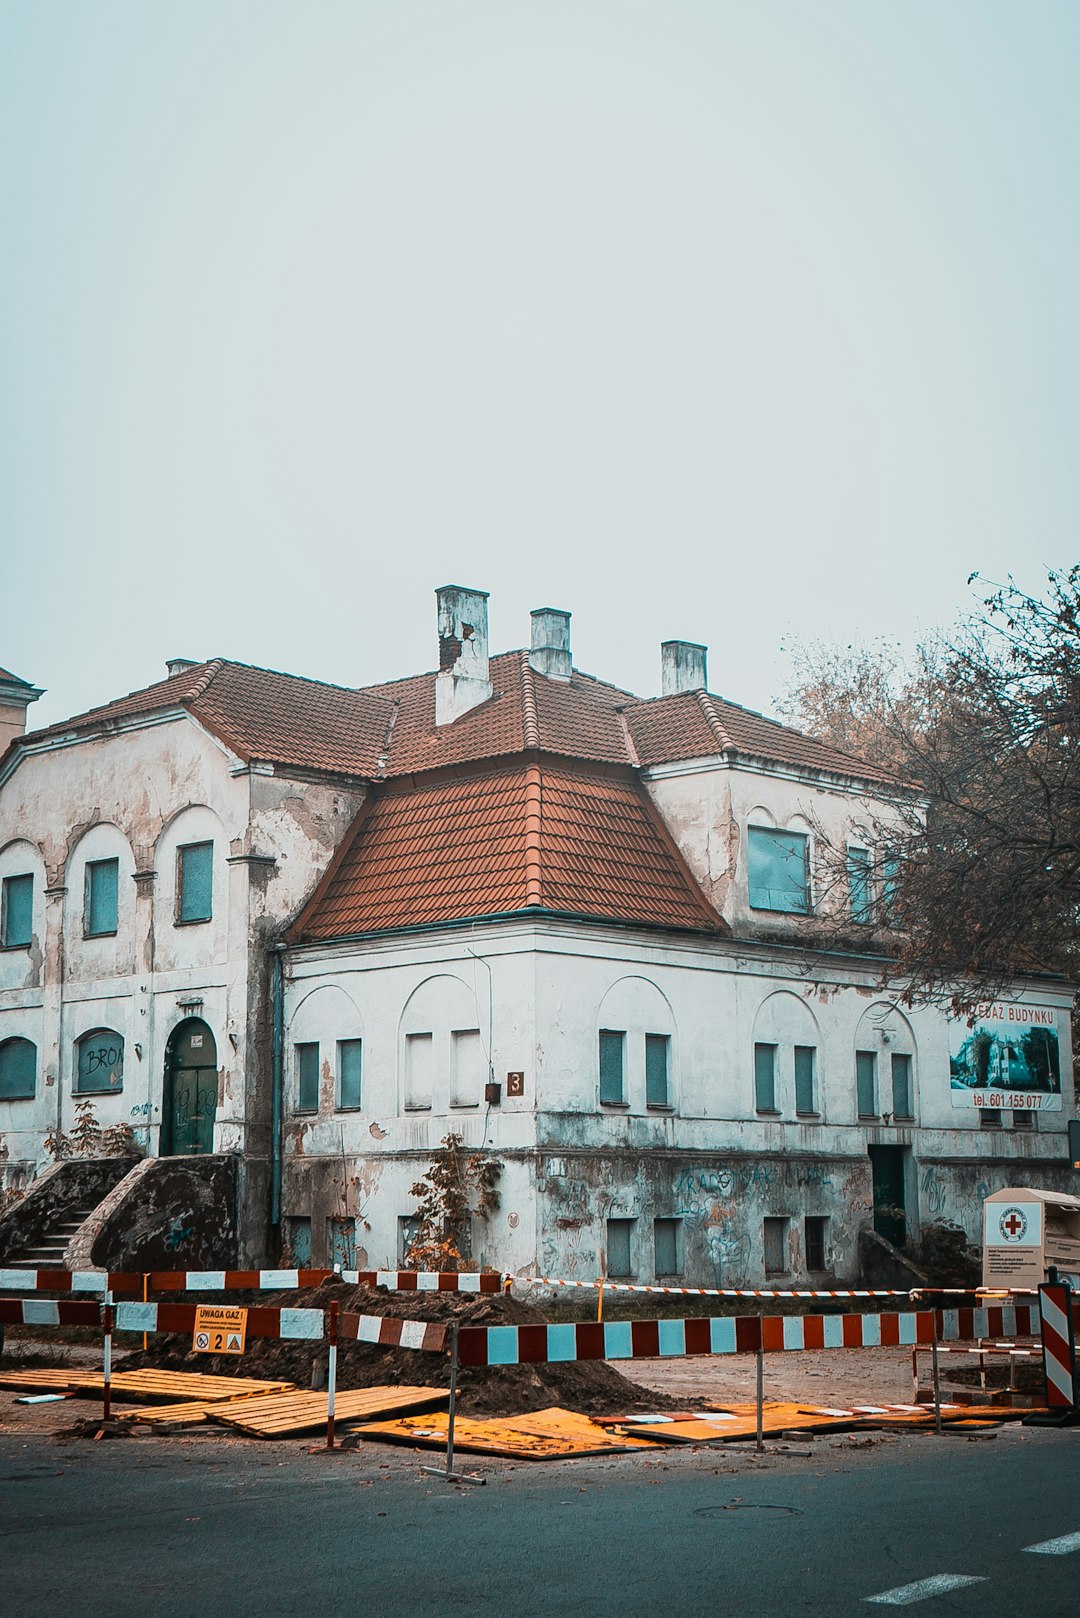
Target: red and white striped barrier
column 734, row 1334
column 48, row 1312
column 1057, row 1316
column 390, row 1333
column 704, row 1292
column 98, row 1282
column 306, row 1324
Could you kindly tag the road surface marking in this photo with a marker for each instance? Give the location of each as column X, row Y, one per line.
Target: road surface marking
column 1056, row 1547
column 905, row 1594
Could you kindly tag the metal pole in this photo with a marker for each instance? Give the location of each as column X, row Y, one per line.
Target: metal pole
column 600, row 1301
column 107, row 1323
column 453, row 1400
column 937, row 1374
column 331, row 1372
column 761, row 1398
column 145, row 1295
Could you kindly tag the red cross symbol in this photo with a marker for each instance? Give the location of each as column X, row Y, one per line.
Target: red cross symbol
column 1013, row 1225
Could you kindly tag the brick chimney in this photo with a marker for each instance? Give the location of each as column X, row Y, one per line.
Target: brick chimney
column 682, row 667
column 463, row 680
column 15, row 697
column 550, row 652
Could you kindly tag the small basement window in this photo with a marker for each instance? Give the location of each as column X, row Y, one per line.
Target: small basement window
column 775, row 1240
column 814, row 1231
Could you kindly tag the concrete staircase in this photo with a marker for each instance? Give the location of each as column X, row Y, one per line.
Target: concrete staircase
column 49, row 1250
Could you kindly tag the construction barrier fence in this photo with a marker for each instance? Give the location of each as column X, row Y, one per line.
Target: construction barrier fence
column 119, row 1281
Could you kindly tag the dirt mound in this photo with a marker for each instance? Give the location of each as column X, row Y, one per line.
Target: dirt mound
column 590, row 1386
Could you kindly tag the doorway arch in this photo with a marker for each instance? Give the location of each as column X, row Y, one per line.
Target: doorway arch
column 189, row 1102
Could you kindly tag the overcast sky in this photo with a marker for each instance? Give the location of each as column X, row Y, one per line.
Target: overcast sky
column 724, row 321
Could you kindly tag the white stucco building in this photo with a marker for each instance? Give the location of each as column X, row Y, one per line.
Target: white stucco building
column 579, row 928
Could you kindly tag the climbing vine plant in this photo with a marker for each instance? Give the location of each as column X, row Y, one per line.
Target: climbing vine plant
column 459, row 1186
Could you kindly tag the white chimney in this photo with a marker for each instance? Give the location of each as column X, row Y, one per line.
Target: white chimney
column 177, row 665
column 462, row 680
column 682, row 667
column 550, row 652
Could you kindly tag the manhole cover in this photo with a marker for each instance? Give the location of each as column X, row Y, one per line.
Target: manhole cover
column 745, row 1505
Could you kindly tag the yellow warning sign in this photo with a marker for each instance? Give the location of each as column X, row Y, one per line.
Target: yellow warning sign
column 219, row 1331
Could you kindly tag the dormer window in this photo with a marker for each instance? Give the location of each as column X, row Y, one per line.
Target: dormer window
column 779, row 864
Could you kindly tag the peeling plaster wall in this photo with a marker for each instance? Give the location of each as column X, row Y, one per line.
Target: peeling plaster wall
column 138, row 796
column 707, row 1160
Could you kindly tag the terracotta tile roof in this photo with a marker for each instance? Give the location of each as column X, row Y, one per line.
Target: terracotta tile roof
column 7, row 678
column 382, row 731
column 528, row 837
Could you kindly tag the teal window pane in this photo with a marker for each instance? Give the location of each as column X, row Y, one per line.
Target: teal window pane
column 195, row 882
column 666, row 1247
column 101, row 1062
column 349, row 1065
column 657, row 1048
column 765, row 1078
column 102, row 897
column 299, row 1242
column 612, row 1045
column 866, row 1083
column 618, row 1249
column 18, row 911
column 901, row 1086
column 18, row 1070
column 805, row 1063
column 860, row 892
column 307, row 1078
column 890, row 887
column 779, row 870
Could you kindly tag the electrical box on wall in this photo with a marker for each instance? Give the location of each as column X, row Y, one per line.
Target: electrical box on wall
column 493, row 1093
column 515, row 1084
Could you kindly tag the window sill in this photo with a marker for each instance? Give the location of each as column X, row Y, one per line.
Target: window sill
column 903, row 1117
column 192, row 921
column 616, row 1106
column 348, row 1109
column 28, row 1095
column 810, row 1117
column 116, row 1090
column 768, row 1112
column 659, row 1106
column 869, row 1118
column 305, row 1112
column 417, row 1106
column 464, row 1106
column 12, row 947
column 110, row 932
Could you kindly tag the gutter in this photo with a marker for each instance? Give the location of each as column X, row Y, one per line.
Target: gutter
column 277, row 1079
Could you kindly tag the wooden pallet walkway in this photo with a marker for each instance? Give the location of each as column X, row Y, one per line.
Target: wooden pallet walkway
column 286, row 1415
column 145, row 1383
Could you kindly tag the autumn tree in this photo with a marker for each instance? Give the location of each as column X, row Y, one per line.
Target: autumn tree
column 979, row 866
column 459, row 1186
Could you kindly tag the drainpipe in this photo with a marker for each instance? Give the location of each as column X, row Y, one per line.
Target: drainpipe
column 277, row 1006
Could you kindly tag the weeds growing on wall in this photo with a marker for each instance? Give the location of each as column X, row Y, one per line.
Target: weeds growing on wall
column 459, row 1186
column 88, row 1139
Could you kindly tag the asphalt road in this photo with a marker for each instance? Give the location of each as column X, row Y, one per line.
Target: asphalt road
column 111, row 1529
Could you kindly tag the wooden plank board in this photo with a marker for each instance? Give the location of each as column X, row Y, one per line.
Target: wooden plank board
column 288, row 1414
column 54, row 1379
column 172, row 1386
column 543, row 1436
column 180, row 1415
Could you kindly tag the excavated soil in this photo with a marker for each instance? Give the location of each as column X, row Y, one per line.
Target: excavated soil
column 592, row 1387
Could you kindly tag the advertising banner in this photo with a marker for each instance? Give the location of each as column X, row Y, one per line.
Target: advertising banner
column 1008, row 1059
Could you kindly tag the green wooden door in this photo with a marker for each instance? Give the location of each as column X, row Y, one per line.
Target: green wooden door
column 890, row 1202
column 191, row 1087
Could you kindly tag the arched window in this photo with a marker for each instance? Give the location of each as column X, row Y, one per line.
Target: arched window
column 18, row 1070
column 100, row 1065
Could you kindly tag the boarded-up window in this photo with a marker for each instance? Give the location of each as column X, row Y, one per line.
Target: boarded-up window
column 775, row 1236
column 779, row 867
column 17, row 907
column 102, row 897
column 468, row 1069
column 343, row 1243
column 765, row 1078
column 419, row 1067
column 805, row 1079
column 667, row 1242
column 657, row 1052
column 350, row 1055
column 860, row 893
column 901, row 1086
column 307, row 1078
column 612, row 1048
column 195, row 882
column 866, row 1083
column 619, row 1232
column 100, row 1062
column 298, row 1237
column 18, row 1070
column 814, row 1241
